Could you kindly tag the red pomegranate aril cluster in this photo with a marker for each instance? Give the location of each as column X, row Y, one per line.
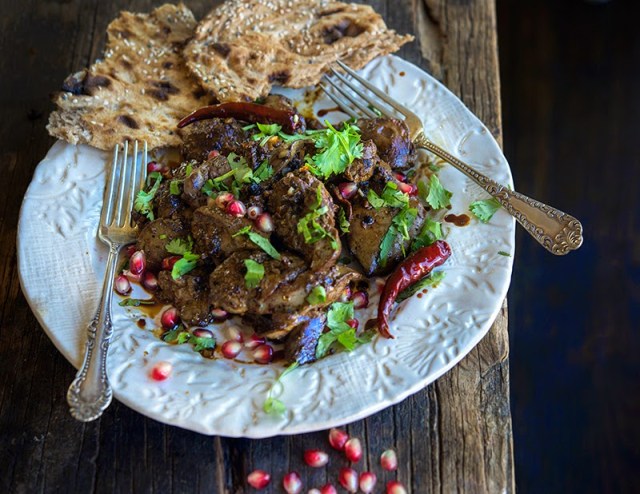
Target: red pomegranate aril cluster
column 202, row 333
column 264, row 223
column 170, row 318
column 292, row 483
column 122, row 285
column 236, row 208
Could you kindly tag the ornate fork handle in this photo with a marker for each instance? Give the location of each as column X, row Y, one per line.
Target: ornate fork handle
column 90, row 392
column 556, row 231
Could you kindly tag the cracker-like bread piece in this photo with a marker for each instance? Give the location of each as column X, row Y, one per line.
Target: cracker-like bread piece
column 141, row 88
column 244, row 46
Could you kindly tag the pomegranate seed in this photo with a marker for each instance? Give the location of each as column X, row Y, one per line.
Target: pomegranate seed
column 135, row 278
column 258, row 479
column 410, row 189
column 255, row 341
column 401, row 177
column 367, row 482
column 130, row 249
column 212, row 154
column 353, row 450
column 360, row 300
column 149, row 281
column 389, row 460
column 292, row 483
column 137, row 262
column 231, row 349
column 202, row 333
column 348, row 479
column 264, row 223
column 122, row 285
column 328, row 489
column 154, row 166
column 263, row 354
column 338, row 438
column 224, row 198
column 161, row 371
column 169, row 318
column 253, row 212
column 345, row 296
column 353, row 323
column 316, row 458
column 234, row 334
column 219, row 315
column 347, row 189
column 314, row 491
column 168, row 262
column 236, row 208
column 395, row 487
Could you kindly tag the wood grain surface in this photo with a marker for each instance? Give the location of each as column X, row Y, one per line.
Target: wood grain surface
column 454, row 436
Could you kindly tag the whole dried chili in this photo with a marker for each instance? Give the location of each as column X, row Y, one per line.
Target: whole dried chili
column 248, row 112
column 408, row 272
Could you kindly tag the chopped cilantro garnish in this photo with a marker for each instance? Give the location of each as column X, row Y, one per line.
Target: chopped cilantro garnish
column 188, row 170
column 399, row 225
column 431, row 231
column 484, row 210
column 263, row 172
column 135, row 302
column 267, row 131
column 338, row 149
column 200, row 343
column 174, row 187
column 144, row 200
column 317, row 296
column 180, row 335
column 308, row 226
column 179, row 246
column 391, row 197
column 343, row 222
column 273, row 405
column 254, row 274
column 259, row 240
column 339, row 331
column 434, row 278
column 503, row 253
column 189, row 260
column 433, row 193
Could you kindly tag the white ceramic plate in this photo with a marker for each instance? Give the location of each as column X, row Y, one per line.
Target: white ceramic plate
column 61, row 266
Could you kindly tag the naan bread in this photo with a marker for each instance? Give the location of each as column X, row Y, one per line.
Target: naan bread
column 139, row 91
column 244, row 46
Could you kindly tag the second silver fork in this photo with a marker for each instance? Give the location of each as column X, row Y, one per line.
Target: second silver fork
column 556, row 231
column 90, row 392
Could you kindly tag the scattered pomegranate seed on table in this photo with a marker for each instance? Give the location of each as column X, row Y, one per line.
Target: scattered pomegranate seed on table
column 389, row 460
column 169, row 318
column 316, row 458
column 367, row 482
column 395, row 487
column 122, row 285
column 161, row 371
column 263, row 354
column 348, row 479
column 292, row 483
column 353, row 450
column 338, row 438
column 328, row 489
column 258, row 479
column 231, row 349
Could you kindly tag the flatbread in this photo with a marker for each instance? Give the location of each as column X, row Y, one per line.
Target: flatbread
column 139, row 91
column 244, row 46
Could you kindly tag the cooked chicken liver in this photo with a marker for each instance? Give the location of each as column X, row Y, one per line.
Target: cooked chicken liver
column 189, row 294
column 392, row 139
column 155, row 236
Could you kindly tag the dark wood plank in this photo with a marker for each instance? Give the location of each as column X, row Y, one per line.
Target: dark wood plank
column 453, row 436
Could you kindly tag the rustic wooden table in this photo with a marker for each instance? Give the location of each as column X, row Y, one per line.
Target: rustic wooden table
column 453, row 436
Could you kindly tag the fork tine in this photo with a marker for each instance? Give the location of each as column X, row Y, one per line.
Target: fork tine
column 389, row 101
column 122, row 185
column 342, row 103
column 109, row 190
column 363, row 108
column 143, row 175
column 133, row 184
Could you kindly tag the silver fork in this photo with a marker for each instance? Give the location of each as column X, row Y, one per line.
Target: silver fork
column 556, row 231
column 90, row 392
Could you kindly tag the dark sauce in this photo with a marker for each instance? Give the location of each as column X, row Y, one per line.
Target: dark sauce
column 141, row 323
column 419, row 295
column 325, row 111
column 401, row 73
column 370, row 324
column 458, row 220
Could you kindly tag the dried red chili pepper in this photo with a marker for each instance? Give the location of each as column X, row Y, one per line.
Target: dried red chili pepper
column 248, row 112
column 408, row 272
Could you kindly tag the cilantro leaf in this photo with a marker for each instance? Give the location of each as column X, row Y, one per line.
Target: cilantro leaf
column 273, row 405
column 339, row 331
column 178, row 336
column 391, row 197
column 179, row 246
column 241, row 170
column 144, row 200
column 267, row 131
column 260, row 241
column 484, row 210
column 503, row 253
column 317, row 296
column 434, row 278
column 174, row 187
column 263, row 172
column 254, row 274
column 399, row 226
column 348, row 339
column 374, row 199
column 343, row 222
column 338, row 149
column 136, row 302
column 184, row 265
column 431, row 231
column 434, row 194
column 200, row 343
column 311, row 230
